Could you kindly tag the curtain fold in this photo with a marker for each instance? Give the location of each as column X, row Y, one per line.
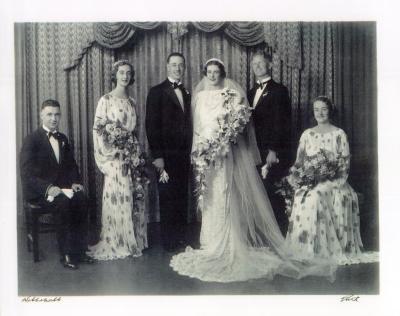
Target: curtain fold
column 113, row 35
column 285, row 39
column 208, row 26
column 316, row 74
column 23, row 114
column 246, row 33
column 75, row 39
column 85, row 85
column 145, row 25
column 355, row 96
column 309, row 74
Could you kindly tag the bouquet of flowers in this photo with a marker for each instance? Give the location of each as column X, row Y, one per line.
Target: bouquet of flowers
column 128, row 151
column 210, row 151
column 315, row 169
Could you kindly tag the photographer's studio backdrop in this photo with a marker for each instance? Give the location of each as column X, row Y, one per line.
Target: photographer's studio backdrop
column 71, row 62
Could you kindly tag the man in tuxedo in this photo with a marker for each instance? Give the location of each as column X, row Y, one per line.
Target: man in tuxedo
column 272, row 122
column 49, row 173
column 169, row 132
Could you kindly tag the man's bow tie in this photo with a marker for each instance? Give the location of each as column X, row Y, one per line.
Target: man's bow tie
column 260, row 85
column 177, row 85
column 56, row 135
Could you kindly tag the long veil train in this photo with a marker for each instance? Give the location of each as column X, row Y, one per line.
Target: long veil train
column 241, row 238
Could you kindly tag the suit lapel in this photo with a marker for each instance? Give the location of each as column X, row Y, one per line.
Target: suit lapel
column 45, row 140
column 185, row 95
column 171, row 93
column 265, row 92
column 260, row 98
column 61, row 150
column 252, row 95
column 186, row 99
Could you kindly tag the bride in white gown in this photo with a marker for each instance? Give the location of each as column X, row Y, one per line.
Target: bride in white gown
column 240, row 239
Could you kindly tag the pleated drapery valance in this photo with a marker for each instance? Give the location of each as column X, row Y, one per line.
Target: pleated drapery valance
column 283, row 38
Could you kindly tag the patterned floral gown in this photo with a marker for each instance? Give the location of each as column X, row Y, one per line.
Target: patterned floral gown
column 124, row 230
column 325, row 220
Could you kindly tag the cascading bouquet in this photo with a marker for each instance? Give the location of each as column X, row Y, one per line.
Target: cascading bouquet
column 318, row 168
column 128, row 151
column 210, row 152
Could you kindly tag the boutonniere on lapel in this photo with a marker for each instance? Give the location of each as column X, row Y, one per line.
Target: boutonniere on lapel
column 187, row 92
column 62, row 144
column 265, row 94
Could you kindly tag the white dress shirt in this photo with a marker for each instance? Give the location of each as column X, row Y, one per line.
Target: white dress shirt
column 54, row 144
column 178, row 93
column 260, row 91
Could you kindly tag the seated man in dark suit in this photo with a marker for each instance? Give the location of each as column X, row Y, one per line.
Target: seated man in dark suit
column 49, row 177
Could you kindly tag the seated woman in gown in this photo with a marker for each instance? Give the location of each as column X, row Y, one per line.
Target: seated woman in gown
column 240, row 238
column 324, row 215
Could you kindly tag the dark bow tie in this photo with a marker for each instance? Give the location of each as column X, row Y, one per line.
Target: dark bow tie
column 176, row 85
column 56, row 135
column 261, row 85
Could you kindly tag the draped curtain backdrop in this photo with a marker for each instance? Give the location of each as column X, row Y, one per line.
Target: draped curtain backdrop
column 71, row 62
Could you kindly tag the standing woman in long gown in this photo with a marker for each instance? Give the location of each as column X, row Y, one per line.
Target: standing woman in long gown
column 124, row 228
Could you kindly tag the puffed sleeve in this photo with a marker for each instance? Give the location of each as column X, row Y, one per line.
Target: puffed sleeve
column 301, row 149
column 343, row 157
column 104, row 154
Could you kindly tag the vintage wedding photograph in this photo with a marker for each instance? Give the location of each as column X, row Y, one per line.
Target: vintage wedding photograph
column 197, row 158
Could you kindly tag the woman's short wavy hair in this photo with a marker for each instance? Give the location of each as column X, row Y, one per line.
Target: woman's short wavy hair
column 216, row 63
column 115, row 67
column 329, row 104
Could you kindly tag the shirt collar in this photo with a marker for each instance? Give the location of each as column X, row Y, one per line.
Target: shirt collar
column 264, row 80
column 47, row 130
column 173, row 80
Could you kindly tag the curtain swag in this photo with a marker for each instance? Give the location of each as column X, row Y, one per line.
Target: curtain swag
column 283, row 37
column 113, row 35
column 208, row 26
column 246, row 33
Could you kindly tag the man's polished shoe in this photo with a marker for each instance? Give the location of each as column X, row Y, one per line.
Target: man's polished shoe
column 68, row 263
column 85, row 259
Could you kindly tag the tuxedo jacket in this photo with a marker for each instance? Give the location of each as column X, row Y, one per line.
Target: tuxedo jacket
column 39, row 166
column 168, row 126
column 272, row 121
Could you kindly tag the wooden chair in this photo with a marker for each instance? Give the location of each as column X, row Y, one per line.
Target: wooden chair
column 38, row 219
